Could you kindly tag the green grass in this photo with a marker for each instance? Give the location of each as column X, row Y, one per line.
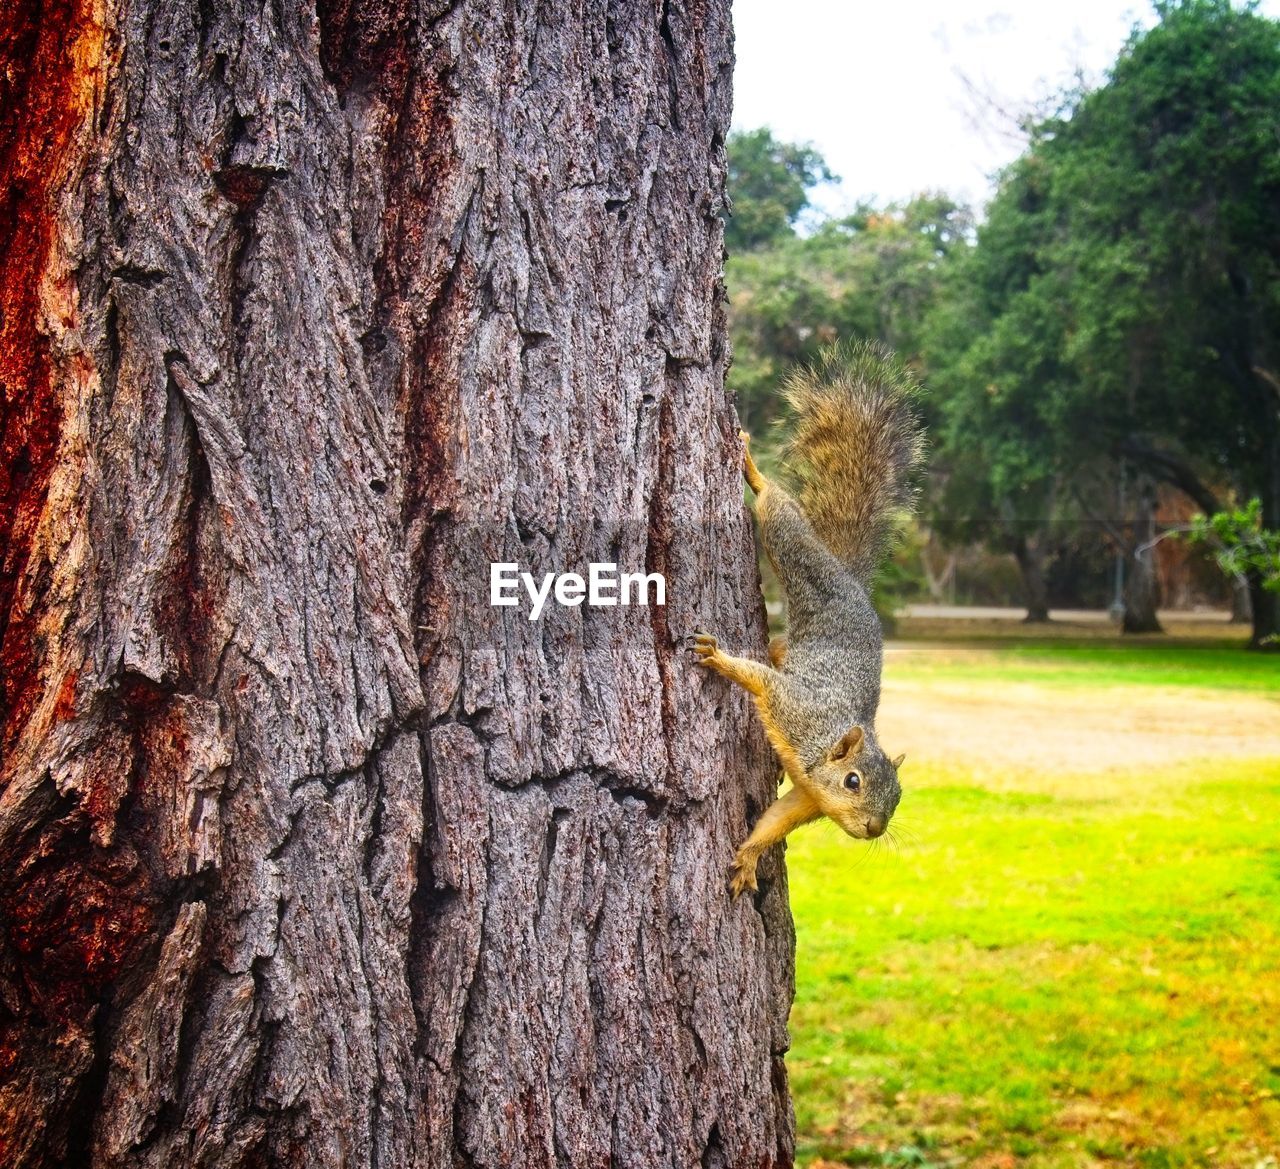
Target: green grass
column 1044, row 978
column 1069, row 663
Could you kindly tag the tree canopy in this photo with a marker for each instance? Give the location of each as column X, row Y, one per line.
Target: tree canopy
column 875, row 273
column 1162, row 188
column 769, row 182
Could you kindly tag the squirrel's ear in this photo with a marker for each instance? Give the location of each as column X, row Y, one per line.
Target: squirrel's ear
column 898, row 762
column 848, row 745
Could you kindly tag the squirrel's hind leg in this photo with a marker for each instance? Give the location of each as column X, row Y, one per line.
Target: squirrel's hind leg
column 793, row 809
column 750, row 472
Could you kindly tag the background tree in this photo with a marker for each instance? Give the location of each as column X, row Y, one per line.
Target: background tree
column 1023, row 456
column 1122, row 299
column 1167, row 179
column 769, row 182
column 1000, row 389
column 874, row 274
column 307, row 854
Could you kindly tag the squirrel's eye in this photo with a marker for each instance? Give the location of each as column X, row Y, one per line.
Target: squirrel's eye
column 853, row 781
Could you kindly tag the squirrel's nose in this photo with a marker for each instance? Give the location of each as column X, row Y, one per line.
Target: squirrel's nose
column 875, row 826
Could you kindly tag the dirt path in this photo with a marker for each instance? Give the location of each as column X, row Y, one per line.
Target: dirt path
column 1021, row 727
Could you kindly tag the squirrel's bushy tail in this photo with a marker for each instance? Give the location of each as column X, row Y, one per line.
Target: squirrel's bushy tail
column 855, row 444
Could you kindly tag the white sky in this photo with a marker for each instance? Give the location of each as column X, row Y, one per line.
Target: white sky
column 902, row 96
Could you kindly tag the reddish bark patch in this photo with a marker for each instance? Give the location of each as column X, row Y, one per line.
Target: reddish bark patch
column 164, row 744
column 660, row 537
column 10, row 1054
column 373, row 44
column 160, row 742
column 43, row 91
column 65, row 708
column 418, row 163
column 187, row 608
column 244, row 185
column 365, row 40
column 74, row 922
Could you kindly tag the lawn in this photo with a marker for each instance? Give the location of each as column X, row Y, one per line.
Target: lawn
column 1211, row 665
column 1071, row 954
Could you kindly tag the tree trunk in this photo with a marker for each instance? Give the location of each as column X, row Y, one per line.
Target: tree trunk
column 1029, row 552
column 1264, row 602
column 1241, row 605
column 1264, row 607
column 1261, row 607
column 1141, row 596
column 941, row 584
column 308, row 854
column 1141, row 586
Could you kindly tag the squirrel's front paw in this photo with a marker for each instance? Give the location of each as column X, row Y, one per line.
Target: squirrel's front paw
column 705, row 647
column 742, row 875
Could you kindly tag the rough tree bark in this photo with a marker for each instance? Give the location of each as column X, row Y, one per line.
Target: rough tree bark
column 309, row 856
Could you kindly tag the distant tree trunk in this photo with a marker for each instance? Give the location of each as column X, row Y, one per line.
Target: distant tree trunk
column 1264, row 605
column 1029, row 552
column 1141, row 586
column 1259, row 390
column 1141, row 596
column 942, row 583
column 1241, row 605
column 1264, row 602
column 308, row 855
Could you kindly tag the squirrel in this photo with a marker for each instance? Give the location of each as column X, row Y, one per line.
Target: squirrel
column 855, row 444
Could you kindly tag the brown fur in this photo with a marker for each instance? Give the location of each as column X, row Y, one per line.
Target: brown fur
column 855, row 445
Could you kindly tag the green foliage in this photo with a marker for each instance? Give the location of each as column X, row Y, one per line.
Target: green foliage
column 1006, row 425
column 1121, row 298
column 1241, row 544
column 873, row 275
column 769, row 184
column 1165, row 184
column 1124, row 291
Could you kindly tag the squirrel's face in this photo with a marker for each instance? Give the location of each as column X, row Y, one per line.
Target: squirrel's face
column 857, row 785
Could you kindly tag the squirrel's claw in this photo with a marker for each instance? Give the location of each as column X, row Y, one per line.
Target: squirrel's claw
column 704, row 645
column 742, row 877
